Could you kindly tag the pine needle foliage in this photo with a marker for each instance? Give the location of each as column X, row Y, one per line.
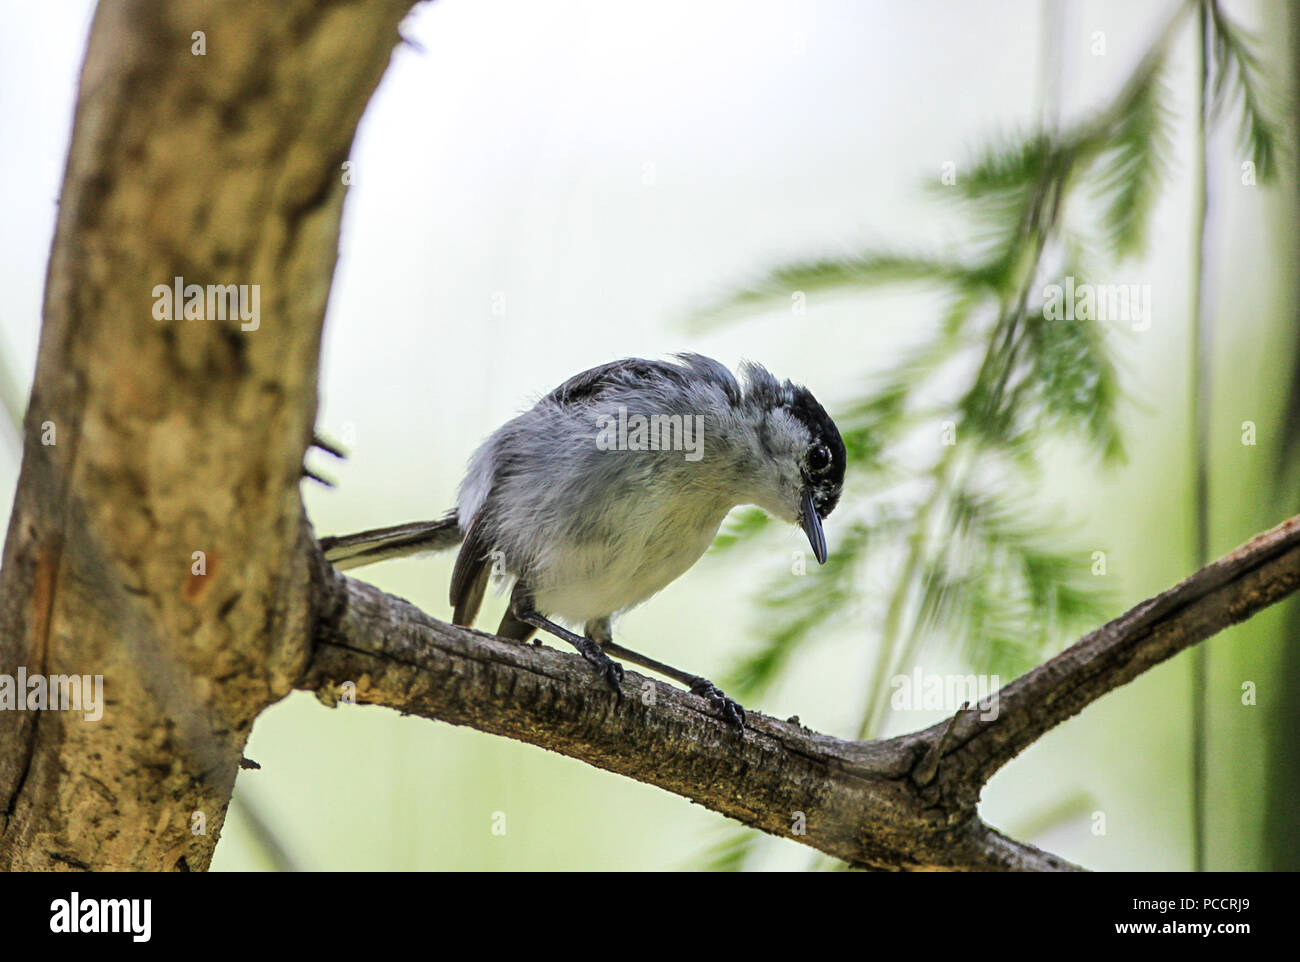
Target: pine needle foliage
column 968, row 566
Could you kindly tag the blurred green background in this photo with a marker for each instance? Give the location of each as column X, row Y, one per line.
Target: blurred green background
column 539, row 188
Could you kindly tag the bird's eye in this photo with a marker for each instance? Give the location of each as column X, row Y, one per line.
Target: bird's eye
column 819, row 459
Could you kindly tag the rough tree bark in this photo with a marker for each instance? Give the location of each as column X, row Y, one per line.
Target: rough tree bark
column 901, row 803
column 175, row 437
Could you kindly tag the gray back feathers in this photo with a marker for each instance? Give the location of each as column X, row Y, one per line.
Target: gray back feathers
column 599, row 528
column 614, row 484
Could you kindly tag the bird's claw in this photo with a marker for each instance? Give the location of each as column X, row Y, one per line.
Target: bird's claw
column 611, row 670
column 729, row 708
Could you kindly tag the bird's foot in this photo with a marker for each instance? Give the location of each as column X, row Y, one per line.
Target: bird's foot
column 729, row 708
column 610, row 670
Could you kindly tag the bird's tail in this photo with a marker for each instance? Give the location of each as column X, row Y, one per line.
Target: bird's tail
column 380, row 544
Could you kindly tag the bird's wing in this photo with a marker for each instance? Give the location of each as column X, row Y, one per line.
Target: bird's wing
column 470, row 576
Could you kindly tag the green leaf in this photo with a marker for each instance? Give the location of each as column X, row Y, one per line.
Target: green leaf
column 834, row 275
column 1237, row 72
column 1130, row 168
column 1071, row 379
column 796, row 605
column 742, row 526
column 732, row 851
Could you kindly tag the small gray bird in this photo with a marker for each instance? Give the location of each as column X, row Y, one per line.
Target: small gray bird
column 614, row 484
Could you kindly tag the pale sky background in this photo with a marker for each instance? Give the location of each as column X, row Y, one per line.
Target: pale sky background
column 598, row 170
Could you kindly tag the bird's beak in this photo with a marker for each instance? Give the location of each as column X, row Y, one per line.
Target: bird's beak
column 811, row 523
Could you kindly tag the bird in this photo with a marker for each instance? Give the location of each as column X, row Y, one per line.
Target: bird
column 611, row 487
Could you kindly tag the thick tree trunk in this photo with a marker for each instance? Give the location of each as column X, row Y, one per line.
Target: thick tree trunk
column 220, row 164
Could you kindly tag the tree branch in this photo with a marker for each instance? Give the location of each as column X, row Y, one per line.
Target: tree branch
column 1259, row 573
column 901, row 803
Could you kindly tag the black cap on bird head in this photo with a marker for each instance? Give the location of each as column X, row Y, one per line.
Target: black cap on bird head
column 822, row 467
